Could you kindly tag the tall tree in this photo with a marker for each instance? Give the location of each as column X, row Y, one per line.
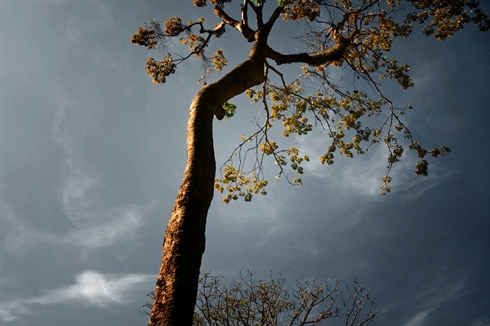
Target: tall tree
column 352, row 38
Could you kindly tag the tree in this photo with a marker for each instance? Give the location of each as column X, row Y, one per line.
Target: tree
column 252, row 301
column 351, row 38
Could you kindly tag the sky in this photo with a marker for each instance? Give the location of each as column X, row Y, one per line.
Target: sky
column 92, row 155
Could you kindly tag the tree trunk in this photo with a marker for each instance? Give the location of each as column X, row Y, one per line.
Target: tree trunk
column 177, row 284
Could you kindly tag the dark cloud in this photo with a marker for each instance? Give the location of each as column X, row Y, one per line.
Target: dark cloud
column 92, row 156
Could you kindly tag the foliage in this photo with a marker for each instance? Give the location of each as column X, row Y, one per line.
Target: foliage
column 229, row 108
column 252, row 301
column 347, row 38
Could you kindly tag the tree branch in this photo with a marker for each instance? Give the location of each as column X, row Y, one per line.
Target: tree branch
column 259, row 14
column 245, row 12
column 243, row 28
column 273, row 18
column 336, row 53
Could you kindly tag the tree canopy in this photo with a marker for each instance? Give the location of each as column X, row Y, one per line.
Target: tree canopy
column 350, row 38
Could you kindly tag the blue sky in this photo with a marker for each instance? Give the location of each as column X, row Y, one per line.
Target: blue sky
column 92, row 155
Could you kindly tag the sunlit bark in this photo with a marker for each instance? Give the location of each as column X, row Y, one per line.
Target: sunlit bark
column 184, row 243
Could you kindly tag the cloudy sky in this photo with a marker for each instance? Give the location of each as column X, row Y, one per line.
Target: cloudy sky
column 92, row 154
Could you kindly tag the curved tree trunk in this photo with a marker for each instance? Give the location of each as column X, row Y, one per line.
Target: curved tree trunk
column 177, row 284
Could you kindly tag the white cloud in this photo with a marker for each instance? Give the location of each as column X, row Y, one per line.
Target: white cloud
column 418, row 319
column 90, row 287
column 6, row 315
column 273, row 232
column 75, row 199
column 93, row 288
column 100, row 229
column 306, row 247
column 20, row 232
column 96, row 223
column 363, row 174
column 109, row 227
column 437, row 297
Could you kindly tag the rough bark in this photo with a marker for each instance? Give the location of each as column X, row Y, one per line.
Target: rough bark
column 184, row 242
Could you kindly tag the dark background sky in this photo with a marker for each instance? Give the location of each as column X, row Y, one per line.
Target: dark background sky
column 92, row 155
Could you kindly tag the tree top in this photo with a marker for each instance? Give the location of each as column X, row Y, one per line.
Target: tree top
column 350, row 38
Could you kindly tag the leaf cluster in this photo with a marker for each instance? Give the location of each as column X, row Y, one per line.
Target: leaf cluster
column 446, row 17
column 153, row 35
column 237, row 184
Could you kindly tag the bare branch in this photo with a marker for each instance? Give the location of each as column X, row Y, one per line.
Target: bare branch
column 334, row 54
column 251, row 301
column 275, row 15
column 242, row 27
column 244, row 11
